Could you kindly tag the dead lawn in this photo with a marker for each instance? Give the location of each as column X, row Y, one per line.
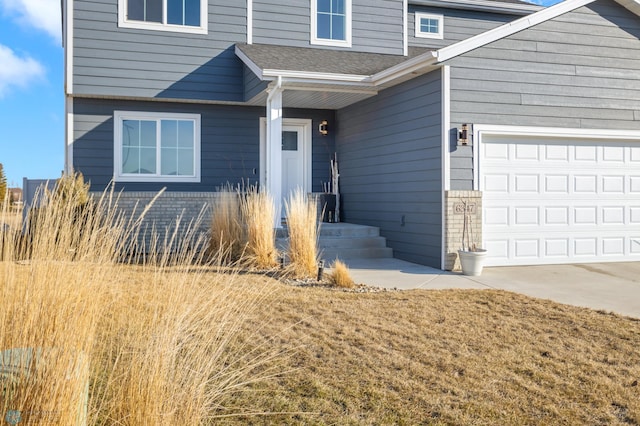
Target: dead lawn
column 442, row 357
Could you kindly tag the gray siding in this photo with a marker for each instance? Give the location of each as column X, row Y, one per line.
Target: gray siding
column 112, row 61
column 458, row 25
column 252, row 84
column 230, row 143
column 389, row 149
column 377, row 25
column 580, row 70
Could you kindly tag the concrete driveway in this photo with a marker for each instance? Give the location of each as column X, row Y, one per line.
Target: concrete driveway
column 607, row 286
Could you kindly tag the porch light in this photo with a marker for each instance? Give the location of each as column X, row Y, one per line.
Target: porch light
column 323, row 128
column 463, row 134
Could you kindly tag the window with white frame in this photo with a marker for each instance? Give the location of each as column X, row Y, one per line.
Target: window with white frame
column 166, row 15
column 429, row 25
column 331, row 22
column 156, row 147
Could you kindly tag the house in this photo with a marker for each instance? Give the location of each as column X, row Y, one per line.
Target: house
column 529, row 115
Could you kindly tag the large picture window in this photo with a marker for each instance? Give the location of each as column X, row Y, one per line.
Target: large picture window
column 166, row 15
column 156, row 147
column 331, row 22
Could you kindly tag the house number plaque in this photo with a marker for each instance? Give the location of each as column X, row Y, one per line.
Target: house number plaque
column 458, row 208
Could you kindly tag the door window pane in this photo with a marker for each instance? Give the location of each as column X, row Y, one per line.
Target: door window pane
column 289, row 141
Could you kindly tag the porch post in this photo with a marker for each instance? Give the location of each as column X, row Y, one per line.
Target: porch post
column 274, row 148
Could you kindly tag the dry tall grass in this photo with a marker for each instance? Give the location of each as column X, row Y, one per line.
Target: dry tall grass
column 88, row 340
column 303, row 227
column 227, row 233
column 259, row 214
column 340, row 275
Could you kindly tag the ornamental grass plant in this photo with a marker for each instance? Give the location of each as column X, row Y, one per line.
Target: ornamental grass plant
column 303, row 227
column 88, row 338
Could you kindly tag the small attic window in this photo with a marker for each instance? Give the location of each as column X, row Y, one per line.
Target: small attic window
column 429, row 25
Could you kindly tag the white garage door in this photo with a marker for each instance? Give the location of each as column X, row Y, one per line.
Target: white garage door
column 559, row 199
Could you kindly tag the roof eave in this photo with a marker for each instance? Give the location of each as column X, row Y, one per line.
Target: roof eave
column 482, row 6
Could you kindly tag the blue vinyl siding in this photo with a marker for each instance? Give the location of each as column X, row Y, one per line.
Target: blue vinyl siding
column 389, row 150
column 579, row 70
column 230, row 143
column 113, row 61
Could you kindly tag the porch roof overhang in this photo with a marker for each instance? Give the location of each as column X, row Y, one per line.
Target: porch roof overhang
column 330, row 79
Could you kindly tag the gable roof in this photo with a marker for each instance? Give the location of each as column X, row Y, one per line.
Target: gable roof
column 377, row 71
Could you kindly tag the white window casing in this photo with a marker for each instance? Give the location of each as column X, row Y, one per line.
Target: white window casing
column 155, row 175
column 429, row 25
column 124, row 22
column 315, row 39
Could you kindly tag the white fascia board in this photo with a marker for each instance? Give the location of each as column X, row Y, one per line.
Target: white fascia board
column 506, row 30
column 249, row 63
column 481, row 5
column 314, row 87
column 316, row 76
column 397, row 71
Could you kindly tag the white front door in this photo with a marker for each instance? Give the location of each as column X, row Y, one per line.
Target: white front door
column 296, row 158
column 292, row 161
column 557, row 199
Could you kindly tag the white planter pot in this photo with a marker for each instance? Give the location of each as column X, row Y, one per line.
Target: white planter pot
column 472, row 261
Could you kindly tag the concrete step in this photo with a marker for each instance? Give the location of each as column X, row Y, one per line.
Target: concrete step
column 351, row 242
column 329, row 255
column 339, row 230
column 345, row 241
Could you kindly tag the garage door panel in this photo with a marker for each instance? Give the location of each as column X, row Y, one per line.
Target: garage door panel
column 561, row 200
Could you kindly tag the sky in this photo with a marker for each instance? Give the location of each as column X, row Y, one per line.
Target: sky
column 31, row 89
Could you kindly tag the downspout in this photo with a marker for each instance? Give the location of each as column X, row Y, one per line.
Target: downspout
column 275, row 89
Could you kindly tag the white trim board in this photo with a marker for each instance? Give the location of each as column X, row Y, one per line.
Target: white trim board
column 508, row 29
column 68, row 47
column 69, row 136
column 446, row 161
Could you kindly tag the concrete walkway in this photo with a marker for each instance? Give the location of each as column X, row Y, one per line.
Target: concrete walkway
column 607, row 286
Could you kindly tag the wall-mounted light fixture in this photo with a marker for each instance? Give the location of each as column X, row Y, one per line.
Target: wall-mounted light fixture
column 323, row 128
column 464, row 134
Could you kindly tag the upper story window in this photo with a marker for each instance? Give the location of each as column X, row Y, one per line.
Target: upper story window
column 189, row 16
column 429, row 25
column 152, row 147
column 331, row 22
